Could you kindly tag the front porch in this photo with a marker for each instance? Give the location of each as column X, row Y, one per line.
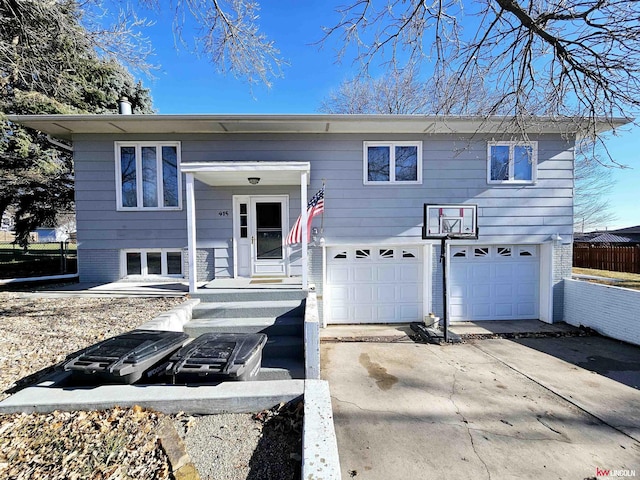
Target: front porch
column 258, row 283
column 255, row 246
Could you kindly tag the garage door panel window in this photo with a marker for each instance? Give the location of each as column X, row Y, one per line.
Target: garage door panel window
column 363, row 253
column 458, row 252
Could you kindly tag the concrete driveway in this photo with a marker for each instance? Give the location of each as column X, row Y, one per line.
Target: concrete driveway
column 492, row 409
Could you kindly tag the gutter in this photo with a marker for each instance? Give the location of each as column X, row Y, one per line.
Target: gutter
column 58, row 143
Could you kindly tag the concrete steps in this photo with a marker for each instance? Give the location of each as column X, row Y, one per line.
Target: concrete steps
column 240, row 309
column 248, row 295
column 287, row 325
column 278, row 313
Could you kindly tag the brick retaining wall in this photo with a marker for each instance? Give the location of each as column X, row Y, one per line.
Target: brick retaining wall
column 611, row 311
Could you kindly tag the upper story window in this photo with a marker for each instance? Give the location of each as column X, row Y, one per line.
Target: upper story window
column 392, row 162
column 512, row 162
column 148, row 175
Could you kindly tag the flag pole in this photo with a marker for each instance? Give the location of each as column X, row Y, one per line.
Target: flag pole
column 324, row 180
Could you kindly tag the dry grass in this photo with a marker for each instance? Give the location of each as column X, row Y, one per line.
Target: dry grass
column 618, row 279
column 37, row 332
column 115, row 444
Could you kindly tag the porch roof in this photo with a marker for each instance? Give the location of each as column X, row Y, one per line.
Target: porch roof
column 66, row 126
column 238, row 173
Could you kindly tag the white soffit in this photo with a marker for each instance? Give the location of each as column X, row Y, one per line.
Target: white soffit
column 225, row 174
column 65, row 126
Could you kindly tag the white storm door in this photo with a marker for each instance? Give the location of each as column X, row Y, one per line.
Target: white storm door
column 242, row 236
column 268, row 221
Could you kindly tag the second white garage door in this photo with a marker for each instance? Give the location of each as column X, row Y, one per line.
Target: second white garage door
column 374, row 284
column 494, row 282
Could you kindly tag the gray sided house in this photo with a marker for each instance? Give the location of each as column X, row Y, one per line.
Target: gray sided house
column 204, row 197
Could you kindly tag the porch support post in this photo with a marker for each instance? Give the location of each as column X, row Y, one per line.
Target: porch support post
column 303, row 214
column 191, row 233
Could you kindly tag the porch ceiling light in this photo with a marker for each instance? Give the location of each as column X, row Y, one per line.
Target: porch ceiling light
column 254, row 180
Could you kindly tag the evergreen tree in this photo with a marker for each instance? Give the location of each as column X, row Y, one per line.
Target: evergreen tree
column 48, row 66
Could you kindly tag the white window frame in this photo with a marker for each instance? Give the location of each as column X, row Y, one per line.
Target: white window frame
column 139, row 189
column 392, row 163
column 512, row 145
column 143, row 262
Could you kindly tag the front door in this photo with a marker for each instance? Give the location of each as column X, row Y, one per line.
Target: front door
column 261, row 224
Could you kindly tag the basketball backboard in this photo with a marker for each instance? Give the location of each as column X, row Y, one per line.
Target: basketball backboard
column 451, row 221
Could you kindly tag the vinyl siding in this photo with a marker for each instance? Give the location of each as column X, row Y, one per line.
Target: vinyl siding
column 454, row 171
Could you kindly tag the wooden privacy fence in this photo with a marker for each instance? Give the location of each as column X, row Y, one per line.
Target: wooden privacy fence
column 601, row 257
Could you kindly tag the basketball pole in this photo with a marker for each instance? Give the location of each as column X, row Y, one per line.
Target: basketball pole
column 445, row 294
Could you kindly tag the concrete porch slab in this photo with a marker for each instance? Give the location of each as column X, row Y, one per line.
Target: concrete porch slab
column 253, row 283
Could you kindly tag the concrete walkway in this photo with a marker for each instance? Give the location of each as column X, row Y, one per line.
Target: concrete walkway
column 490, row 409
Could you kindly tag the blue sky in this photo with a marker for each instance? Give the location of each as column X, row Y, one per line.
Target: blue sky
column 188, row 84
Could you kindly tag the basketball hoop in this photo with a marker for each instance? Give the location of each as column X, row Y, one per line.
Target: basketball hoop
column 450, row 221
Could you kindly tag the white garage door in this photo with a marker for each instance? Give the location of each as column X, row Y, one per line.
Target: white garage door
column 494, row 282
column 374, row 284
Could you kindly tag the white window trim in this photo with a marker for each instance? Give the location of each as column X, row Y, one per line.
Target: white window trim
column 511, row 145
column 143, row 262
column 392, row 170
column 138, row 146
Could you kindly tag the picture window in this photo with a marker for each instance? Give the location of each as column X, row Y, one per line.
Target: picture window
column 392, row 162
column 148, row 176
column 512, row 162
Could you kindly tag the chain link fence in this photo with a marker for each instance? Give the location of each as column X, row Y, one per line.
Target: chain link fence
column 39, row 259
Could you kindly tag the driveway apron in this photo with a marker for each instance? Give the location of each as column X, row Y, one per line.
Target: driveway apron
column 413, row 411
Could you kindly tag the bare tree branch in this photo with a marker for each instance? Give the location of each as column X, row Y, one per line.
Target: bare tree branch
column 578, row 58
column 229, row 37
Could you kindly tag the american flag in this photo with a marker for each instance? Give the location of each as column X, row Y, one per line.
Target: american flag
column 314, row 207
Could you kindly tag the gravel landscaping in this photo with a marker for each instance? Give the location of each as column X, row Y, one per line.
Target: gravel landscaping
column 37, row 332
